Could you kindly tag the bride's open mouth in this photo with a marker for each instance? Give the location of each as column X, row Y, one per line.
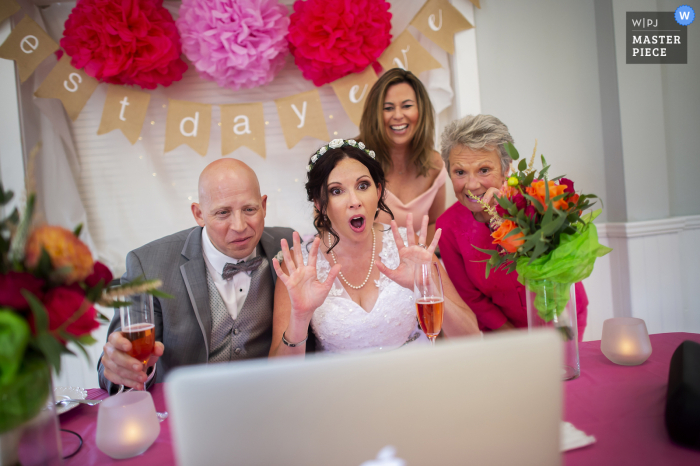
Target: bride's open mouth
column 357, row 224
column 479, row 196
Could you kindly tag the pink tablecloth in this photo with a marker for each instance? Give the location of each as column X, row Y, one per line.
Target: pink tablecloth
column 622, row 407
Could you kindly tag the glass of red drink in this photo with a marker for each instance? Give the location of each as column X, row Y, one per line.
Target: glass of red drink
column 138, row 326
column 429, row 297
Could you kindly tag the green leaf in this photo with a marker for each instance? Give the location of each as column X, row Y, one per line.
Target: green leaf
column 528, row 179
column 14, row 336
column 552, row 227
column 511, row 150
column 160, row 294
column 513, row 232
column 535, row 202
column 41, row 317
column 5, row 196
column 19, row 239
column 522, row 165
column 50, row 348
column 87, row 340
column 77, row 230
column 43, row 267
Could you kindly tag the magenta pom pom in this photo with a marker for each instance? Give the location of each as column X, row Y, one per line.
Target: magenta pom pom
column 237, row 43
column 333, row 38
column 133, row 42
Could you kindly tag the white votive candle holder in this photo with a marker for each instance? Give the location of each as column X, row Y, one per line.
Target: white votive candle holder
column 127, row 424
column 625, row 341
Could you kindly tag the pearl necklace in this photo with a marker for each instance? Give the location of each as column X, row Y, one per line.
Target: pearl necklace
column 371, row 263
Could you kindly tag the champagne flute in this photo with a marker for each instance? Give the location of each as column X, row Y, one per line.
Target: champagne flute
column 138, row 326
column 430, row 299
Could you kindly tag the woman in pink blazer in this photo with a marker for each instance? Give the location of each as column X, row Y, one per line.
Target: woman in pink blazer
column 476, row 161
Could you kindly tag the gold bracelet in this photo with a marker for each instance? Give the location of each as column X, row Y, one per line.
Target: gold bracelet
column 292, row 345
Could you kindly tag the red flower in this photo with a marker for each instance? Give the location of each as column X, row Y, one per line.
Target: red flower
column 530, row 211
column 519, row 201
column 99, row 272
column 62, row 304
column 333, row 38
column 132, row 42
column 11, row 285
column 568, row 183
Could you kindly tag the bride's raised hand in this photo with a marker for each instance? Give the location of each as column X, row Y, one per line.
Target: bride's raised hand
column 411, row 254
column 306, row 292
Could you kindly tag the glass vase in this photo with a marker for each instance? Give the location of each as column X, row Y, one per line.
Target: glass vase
column 29, row 428
column 551, row 304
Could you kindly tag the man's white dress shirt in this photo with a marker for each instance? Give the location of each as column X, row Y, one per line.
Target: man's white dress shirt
column 233, row 292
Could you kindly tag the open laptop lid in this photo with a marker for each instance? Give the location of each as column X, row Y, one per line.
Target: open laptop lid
column 496, row 401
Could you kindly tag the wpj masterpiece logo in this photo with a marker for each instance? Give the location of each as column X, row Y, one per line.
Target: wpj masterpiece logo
column 658, row 37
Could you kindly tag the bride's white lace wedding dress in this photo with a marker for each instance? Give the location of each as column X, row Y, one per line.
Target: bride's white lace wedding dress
column 341, row 325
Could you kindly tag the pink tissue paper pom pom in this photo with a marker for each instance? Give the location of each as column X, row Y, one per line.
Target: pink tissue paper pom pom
column 132, row 42
column 237, row 43
column 333, row 38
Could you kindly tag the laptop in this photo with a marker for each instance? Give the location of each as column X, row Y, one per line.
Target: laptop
column 467, row 401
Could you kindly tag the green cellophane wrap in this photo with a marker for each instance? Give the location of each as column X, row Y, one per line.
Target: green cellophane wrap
column 551, row 275
column 22, row 399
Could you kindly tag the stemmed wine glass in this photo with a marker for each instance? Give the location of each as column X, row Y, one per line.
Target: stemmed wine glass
column 430, row 299
column 138, row 326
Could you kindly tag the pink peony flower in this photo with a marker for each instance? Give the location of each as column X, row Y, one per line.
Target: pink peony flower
column 333, row 38
column 133, row 42
column 237, row 43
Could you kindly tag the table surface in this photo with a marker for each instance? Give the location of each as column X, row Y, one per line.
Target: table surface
column 622, row 406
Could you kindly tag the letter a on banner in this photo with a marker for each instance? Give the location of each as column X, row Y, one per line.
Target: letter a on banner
column 405, row 52
column 28, row 45
column 73, row 87
column 188, row 123
column 243, row 125
column 302, row 115
column 352, row 91
column 439, row 21
column 124, row 109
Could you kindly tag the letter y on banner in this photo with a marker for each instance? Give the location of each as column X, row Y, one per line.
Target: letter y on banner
column 302, row 115
column 124, row 109
column 188, row 123
column 73, row 87
column 28, row 45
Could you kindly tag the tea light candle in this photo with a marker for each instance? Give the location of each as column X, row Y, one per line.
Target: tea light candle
column 625, row 341
column 127, row 424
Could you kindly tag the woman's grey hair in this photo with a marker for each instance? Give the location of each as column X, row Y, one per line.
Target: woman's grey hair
column 477, row 132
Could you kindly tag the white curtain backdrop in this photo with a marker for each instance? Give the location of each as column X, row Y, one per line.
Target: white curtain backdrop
column 130, row 195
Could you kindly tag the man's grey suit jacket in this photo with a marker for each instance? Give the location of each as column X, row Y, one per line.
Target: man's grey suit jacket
column 183, row 324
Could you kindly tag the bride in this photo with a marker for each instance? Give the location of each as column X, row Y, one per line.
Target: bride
column 355, row 292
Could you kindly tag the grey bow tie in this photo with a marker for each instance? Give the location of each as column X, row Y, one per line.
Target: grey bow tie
column 246, row 266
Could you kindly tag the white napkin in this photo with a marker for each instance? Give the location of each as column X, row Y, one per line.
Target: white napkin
column 571, row 438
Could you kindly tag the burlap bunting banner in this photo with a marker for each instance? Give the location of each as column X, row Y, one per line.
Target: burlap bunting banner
column 73, row 87
column 439, row 21
column 28, row 45
column 405, row 52
column 125, row 109
column 302, row 115
column 352, row 91
column 188, row 123
column 8, row 8
column 243, row 125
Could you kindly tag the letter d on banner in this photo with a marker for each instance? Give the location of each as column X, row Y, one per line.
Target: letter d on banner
column 302, row 115
column 188, row 123
column 73, row 87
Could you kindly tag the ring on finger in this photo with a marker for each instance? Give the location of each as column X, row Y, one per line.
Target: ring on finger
column 422, row 245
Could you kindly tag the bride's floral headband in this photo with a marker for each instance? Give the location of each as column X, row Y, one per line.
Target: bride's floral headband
column 336, row 144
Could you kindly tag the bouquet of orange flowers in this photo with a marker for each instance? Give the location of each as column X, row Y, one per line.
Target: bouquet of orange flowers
column 541, row 232
column 49, row 285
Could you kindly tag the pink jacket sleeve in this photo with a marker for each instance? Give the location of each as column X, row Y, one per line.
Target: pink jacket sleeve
column 487, row 313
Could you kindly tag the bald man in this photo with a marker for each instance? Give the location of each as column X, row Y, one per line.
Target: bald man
column 220, row 274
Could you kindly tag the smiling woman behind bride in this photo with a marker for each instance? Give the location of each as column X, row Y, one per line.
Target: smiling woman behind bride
column 352, row 287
